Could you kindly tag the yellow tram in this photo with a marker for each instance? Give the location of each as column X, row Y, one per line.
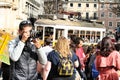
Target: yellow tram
column 53, row 29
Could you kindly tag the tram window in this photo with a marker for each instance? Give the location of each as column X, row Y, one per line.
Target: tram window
column 93, row 34
column 40, row 34
column 75, row 32
column 87, row 36
column 98, row 33
column 70, row 31
column 82, row 32
column 59, row 32
column 49, row 32
column 40, row 31
column 87, row 32
column 48, row 29
column 39, row 28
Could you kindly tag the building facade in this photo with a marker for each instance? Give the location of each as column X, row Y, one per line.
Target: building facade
column 8, row 11
column 92, row 10
column 12, row 12
column 87, row 8
column 107, row 16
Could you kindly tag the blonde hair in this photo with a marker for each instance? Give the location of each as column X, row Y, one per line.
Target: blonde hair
column 62, row 46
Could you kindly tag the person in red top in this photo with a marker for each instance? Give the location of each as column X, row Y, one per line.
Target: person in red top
column 81, row 56
column 79, row 50
column 108, row 60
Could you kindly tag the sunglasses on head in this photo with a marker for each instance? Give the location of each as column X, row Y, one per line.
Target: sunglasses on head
column 25, row 22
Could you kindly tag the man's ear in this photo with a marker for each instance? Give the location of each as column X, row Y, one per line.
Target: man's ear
column 19, row 32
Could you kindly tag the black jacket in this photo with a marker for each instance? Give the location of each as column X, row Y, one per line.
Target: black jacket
column 25, row 67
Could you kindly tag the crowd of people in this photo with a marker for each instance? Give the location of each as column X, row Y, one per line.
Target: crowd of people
column 31, row 61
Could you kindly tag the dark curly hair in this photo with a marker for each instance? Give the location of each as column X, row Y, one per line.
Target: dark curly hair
column 107, row 46
column 77, row 40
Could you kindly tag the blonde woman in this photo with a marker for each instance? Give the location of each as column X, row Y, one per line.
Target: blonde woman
column 62, row 48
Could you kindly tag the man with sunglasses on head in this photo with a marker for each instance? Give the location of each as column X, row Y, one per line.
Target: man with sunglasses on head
column 24, row 54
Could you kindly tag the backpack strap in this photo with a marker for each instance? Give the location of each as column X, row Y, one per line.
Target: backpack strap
column 60, row 56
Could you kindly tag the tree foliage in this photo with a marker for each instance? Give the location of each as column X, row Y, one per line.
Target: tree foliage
column 52, row 6
column 115, row 9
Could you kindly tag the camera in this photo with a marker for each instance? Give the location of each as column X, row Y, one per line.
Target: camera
column 35, row 34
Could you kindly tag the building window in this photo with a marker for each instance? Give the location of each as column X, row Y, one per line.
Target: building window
column 110, row 6
column 71, row 4
column 87, row 15
column 110, row 14
column 79, row 5
column 102, row 14
column 102, row 5
column 95, row 15
column 95, row 5
column 87, row 5
column 118, row 15
column 118, row 24
column 110, row 24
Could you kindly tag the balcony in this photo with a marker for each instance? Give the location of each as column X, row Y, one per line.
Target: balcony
column 89, row 18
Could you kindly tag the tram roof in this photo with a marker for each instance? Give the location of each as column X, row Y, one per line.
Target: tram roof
column 68, row 23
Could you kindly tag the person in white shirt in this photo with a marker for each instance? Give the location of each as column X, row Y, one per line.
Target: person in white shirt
column 47, row 48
